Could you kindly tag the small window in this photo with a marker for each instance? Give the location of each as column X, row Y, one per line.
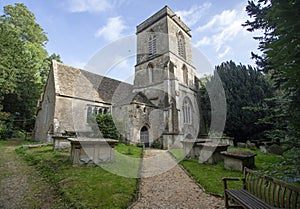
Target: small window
column 185, row 75
column 150, row 73
column 89, row 114
column 95, row 111
column 187, row 112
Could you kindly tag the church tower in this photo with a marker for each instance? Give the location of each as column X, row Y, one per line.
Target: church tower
column 165, row 74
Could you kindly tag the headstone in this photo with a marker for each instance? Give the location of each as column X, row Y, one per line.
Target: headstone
column 241, row 145
column 275, row 149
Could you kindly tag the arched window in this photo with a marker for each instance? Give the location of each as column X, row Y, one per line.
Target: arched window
column 187, row 112
column 100, row 111
column 181, row 45
column 185, row 75
column 95, row 111
column 89, row 114
column 150, row 73
column 152, row 44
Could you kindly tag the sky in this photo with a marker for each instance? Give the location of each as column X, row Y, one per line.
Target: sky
column 79, row 29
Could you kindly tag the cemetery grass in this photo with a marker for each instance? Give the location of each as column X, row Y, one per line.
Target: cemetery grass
column 210, row 176
column 87, row 186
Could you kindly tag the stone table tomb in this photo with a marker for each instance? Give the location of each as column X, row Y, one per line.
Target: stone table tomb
column 238, row 160
column 91, row 150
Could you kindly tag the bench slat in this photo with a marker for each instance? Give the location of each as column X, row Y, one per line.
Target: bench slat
column 288, row 198
column 282, row 194
column 271, row 193
column 295, row 200
column 276, row 196
column 247, row 199
column 262, row 192
column 258, row 187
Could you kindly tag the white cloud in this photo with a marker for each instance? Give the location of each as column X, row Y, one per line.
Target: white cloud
column 223, row 30
column 194, row 14
column 93, row 6
column 225, row 52
column 112, row 30
column 204, row 41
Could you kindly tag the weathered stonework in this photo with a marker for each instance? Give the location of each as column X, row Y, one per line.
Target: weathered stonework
column 161, row 104
column 169, row 88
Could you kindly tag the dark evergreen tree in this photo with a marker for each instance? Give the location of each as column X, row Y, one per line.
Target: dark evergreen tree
column 244, row 87
column 280, row 47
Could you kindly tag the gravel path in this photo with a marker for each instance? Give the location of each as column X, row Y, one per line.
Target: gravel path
column 166, row 185
column 20, row 185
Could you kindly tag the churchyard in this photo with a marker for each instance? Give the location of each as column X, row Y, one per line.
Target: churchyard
column 90, row 186
column 146, row 123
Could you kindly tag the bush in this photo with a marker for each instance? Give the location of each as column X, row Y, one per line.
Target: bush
column 3, row 131
column 140, row 144
column 156, row 144
column 107, row 126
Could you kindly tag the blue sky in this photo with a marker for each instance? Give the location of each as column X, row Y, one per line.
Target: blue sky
column 78, row 29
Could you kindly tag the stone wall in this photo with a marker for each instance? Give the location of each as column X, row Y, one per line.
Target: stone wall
column 44, row 124
column 71, row 116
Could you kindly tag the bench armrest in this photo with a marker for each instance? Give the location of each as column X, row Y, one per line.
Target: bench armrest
column 225, row 179
column 231, row 179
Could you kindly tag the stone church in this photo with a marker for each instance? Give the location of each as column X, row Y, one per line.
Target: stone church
column 161, row 104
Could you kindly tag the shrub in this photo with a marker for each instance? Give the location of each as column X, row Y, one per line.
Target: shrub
column 156, row 144
column 107, row 126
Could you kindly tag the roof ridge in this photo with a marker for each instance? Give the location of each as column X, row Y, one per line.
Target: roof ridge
column 106, row 77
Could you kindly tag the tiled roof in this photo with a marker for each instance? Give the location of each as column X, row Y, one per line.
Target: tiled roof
column 73, row 82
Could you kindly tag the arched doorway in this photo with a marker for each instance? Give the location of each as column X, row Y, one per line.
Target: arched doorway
column 144, row 136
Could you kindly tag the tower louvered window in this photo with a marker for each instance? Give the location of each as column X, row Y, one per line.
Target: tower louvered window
column 152, row 44
column 181, row 45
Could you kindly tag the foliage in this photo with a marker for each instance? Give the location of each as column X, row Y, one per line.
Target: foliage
column 281, row 167
column 24, row 64
column 280, row 47
column 244, row 87
column 209, row 176
column 86, row 186
column 107, row 126
column 5, row 124
column 156, row 144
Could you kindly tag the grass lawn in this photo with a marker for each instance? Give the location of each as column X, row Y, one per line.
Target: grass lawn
column 87, row 186
column 210, row 176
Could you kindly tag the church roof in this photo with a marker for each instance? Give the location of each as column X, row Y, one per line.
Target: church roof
column 81, row 84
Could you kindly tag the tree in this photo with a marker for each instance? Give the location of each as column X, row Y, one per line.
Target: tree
column 23, row 66
column 280, row 47
column 107, row 126
column 244, row 87
column 24, row 24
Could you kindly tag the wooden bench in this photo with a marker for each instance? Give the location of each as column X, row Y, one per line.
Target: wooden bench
column 261, row 191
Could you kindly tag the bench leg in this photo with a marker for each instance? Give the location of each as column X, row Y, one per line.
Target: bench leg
column 227, row 206
column 226, row 200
